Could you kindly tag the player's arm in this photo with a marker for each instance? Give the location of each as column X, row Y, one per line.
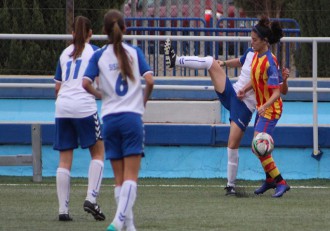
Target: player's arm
column 147, row 74
column 87, row 84
column 91, row 76
column 149, row 85
column 57, row 88
column 236, row 62
column 284, row 85
column 276, row 93
column 230, row 63
column 246, row 88
column 58, row 78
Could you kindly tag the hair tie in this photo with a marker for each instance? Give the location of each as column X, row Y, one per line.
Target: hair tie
column 255, row 29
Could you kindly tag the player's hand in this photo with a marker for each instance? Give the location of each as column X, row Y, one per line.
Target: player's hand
column 262, row 110
column 285, row 73
column 240, row 94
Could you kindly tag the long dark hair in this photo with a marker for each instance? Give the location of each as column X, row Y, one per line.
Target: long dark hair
column 114, row 26
column 270, row 31
column 81, row 27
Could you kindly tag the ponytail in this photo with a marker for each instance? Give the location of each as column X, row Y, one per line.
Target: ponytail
column 114, row 26
column 81, row 28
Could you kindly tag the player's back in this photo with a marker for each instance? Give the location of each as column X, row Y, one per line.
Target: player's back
column 72, row 99
column 119, row 95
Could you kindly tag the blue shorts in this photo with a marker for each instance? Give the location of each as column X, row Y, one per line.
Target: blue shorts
column 69, row 130
column 262, row 124
column 123, row 135
column 239, row 112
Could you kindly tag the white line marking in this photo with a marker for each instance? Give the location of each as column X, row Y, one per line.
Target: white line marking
column 172, row 186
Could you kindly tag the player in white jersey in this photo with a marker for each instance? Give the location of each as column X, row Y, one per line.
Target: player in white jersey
column 120, row 68
column 240, row 111
column 76, row 119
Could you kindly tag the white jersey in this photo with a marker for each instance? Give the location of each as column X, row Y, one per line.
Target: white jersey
column 244, row 78
column 73, row 101
column 118, row 95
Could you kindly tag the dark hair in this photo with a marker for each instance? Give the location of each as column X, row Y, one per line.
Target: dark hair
column 270, row 31
column 114, row 26
column 81, row 27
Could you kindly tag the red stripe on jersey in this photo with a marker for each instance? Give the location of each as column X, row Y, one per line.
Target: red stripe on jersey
column 263, row 80
column 253, row 75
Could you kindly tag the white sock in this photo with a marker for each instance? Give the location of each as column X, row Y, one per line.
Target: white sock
column 95, row 174
column 125, row 204
column 194, row 62
column 63, row 189
column 232, row 166
column 117, row 194
column 129, row 221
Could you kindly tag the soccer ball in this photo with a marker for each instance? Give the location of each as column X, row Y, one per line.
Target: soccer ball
column 262, row 144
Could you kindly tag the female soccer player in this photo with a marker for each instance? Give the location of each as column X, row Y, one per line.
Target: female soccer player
column 120, row 67
column 265, row 83
column 240, row 110
column 76, row 118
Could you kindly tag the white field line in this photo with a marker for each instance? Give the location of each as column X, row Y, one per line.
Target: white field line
column 172, row 186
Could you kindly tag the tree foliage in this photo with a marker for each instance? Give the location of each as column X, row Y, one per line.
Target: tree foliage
column 313, row 18
column 42, row 17
column 255, row 8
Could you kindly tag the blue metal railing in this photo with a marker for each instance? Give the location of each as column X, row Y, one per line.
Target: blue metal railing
column 198, row 26
column 162, row 26
column 243, row 28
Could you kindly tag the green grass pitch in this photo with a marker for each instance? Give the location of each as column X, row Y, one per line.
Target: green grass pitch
column 169, row 204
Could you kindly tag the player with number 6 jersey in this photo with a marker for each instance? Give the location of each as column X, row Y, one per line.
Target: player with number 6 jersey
column 120, row 68
column 118, row 94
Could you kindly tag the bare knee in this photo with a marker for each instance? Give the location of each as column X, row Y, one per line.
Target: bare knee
column 97, row 151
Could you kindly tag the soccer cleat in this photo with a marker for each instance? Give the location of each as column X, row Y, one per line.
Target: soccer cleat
column 281, row 189
column 264, row 187
column 170, row 55
column 111, row 227
column 94, row 209
column 230, row 191
column 132, row 228
column 64, row 217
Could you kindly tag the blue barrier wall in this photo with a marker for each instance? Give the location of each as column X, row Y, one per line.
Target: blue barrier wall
column 183, row 135
column 185, row 161
column 175, row 150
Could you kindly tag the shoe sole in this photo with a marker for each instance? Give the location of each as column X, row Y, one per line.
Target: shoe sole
column 167, row 51
column 167, row 46
column 288, row 189
column 96, row 216
column 65, row 218
column 264, row 191
column 230, row 194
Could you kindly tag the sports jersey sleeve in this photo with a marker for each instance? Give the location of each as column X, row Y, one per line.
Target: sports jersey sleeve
column 242, row 59
column 58, row 73
column 92, row 69
column 143, row 65
column 273, row 76
column 280, row 76
column 272, row 71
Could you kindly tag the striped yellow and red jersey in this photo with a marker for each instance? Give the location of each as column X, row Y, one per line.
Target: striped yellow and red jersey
column 265, row 77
